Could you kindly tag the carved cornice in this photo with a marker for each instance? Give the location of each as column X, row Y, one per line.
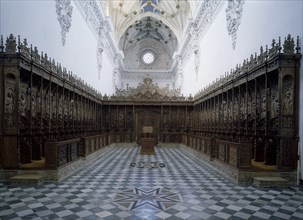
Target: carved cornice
column 149, row 91
column 64, row 10
column 254, row 63
column 41, row 62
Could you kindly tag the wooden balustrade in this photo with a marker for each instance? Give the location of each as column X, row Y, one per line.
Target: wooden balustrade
column 60, row 153
column 200, row 143
column 238, row 155
column 235, row 154
column 93, row 143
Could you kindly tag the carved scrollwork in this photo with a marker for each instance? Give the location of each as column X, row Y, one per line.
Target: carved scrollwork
column 147, row 91
column 10, row 100
column 287, row 108
column 33, row 107
column 288, row 101
column 11, row 44
column 289, row 45
column 64, row 10
column 234, row 13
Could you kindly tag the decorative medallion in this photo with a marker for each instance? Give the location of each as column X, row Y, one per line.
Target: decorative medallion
column 148, row 57
column 147, row 165
column 136, row 198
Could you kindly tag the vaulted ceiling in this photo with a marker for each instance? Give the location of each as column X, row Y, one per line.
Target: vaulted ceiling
column 161, row 20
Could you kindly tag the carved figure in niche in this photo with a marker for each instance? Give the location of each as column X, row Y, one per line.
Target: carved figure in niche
column 287, row 102
column 213, row 115
column 236, row 107
column 129, row 123
column 113, row 119
column 33, row 105
column 46, row 104
column 60, row 111
column 165, row 120
column 181, row 120
column 173, row 120
column 22, row 108
column 65, row 107
column 275, row 105
column 72, row 110
column 121, row 120
column 187, row 123
column 39, row 101
column 53, row 108
column 263, row 106
column 217, row 112
column 253, row 107
column 242, row 109
column 224, row 108
column 9, row 103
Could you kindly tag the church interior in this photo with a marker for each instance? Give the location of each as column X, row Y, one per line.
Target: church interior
column 151, row 109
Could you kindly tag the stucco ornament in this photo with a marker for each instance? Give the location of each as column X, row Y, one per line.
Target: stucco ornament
column 234, row 12
column 64, row 10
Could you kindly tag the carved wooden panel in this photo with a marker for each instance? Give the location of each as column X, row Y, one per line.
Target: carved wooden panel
column 62, row 155
column 222, row 151
column 245, row 155
column 146, row 117
column 287, row 103
column 233, row 155
column 10, row 101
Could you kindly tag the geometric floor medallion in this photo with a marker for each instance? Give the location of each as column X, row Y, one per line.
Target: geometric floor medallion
column 147, row 165
column 159, row 198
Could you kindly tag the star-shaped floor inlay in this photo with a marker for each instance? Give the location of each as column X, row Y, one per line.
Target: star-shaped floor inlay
column 159, row 198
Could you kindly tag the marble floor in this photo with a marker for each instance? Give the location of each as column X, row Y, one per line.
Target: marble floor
column 122, row 184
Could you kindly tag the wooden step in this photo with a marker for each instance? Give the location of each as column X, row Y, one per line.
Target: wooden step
column 270, row 181
column 28, row 178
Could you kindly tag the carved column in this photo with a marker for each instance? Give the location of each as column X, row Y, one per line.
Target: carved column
column 289, row 108
column 9, row 108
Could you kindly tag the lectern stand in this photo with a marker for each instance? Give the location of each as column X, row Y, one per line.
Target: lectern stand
column 147, row 145
column 147, row 141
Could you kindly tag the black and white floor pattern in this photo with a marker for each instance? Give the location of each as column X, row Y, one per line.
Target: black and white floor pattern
column 110, row 188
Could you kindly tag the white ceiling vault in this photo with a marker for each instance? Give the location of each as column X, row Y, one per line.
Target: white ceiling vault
column 172, row 15
column 167, row 32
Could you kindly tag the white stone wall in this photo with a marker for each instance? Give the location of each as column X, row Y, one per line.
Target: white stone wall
column 261, row 22
column 132, row 60
column 38, row 22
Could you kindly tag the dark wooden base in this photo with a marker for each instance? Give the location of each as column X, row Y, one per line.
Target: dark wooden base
column 147, row 146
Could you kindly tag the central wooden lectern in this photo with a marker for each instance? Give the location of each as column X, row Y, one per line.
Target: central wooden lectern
column 147, row 141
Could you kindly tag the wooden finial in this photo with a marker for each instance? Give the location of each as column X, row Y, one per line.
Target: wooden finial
column 298, row 48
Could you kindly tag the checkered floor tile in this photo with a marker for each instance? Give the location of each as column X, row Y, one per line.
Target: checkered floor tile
column 110, row 188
